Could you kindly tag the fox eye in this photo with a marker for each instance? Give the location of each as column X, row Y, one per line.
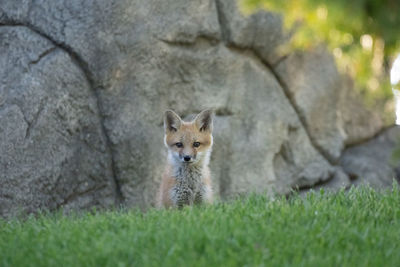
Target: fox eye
column 179, row 144
column 196, row 144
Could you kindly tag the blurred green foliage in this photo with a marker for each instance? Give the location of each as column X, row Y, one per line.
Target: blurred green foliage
column 363, row 35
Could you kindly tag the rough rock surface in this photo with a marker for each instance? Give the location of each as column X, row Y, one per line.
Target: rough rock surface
column 53, row 151
column 261, row 32
column 93, row 88
column 339, row 181
column 373, row 162
column 313, row 83
column 358, row 123
column 330, row 108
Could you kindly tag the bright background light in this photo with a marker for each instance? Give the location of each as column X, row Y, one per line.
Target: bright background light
column 395, row 72
column 394, row 80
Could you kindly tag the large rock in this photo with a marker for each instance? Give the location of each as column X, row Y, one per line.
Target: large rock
column 332, row 111
column 313, row 84
column 374, row 162
column 261, row 32
column 136, row 59
column 358, row 122
column 53, row 152
column 339, row 181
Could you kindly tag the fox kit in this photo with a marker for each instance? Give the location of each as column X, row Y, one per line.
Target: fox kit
column 186, row 179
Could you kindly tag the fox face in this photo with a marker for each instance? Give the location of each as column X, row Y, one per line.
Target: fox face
column 188, row 142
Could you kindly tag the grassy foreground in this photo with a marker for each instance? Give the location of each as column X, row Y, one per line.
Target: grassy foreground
column 357, row 228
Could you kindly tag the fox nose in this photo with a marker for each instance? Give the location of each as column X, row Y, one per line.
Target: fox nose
column 186, row 158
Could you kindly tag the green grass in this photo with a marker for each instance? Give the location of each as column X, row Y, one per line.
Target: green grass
column 357, row 228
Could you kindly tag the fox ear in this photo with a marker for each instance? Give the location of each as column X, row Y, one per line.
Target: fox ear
column 204, row 121
column 172, row 122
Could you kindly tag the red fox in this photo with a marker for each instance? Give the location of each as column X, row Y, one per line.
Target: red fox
column 186, row 179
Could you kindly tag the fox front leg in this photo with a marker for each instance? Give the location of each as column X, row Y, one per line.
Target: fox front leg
column 204, row 196
column 182, row 197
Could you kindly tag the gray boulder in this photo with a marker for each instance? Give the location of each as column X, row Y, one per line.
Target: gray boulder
column 339, row 181
column 358, row 122
column 332, row 111
column 53, row 150
column 313, row 83
column 261, row 32
column 373, row 162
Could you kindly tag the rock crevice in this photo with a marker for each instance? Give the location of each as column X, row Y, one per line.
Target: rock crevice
column 226, row 38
